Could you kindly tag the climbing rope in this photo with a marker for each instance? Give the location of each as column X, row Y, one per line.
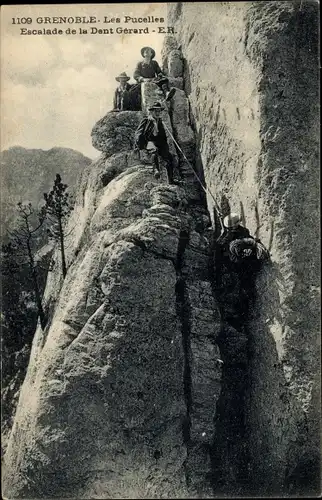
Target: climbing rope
column 205, row 188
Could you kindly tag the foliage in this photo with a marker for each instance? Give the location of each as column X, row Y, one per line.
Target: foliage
column 20, row 252
column 23, row 279
column 57, row 208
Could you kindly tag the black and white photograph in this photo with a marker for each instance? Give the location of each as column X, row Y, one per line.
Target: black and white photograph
column 160, row 250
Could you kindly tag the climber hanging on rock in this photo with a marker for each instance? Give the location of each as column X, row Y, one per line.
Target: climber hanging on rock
column 149, row 70
column 239, row 258
column 151, row 136
column 233, row 230
column 247, row 248
column 237, row 244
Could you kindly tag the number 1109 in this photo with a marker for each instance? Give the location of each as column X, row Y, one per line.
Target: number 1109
column 21, row 20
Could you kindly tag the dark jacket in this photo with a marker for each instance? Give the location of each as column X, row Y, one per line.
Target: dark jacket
column 238, row 246
column 144, row 134
column 125, row 95
column 146, row 70
column 233, row 234
column 223, row 242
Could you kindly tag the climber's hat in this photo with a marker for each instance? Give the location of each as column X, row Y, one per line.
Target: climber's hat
column 123, row 76
column 144, row 49
column 157, row 105
column 232, row 220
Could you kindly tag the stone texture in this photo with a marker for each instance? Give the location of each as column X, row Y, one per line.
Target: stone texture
column 252, row 81
column 104, row 411
column 205, row 380
column 169, row 44
column 95, row 377
column 182, row 128
column 184, row 136
column 176, row 82
column 152, row 93
column 175, row 64
column 115, row 132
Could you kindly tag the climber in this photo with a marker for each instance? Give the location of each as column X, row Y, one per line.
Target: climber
column 150, row 135
column 122, row 96
column 247, row 248
column 237, row 244
column 233, row 230
column 239, row 258
column 149, row 70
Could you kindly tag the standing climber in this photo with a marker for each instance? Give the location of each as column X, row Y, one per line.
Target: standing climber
column 149, row 70
column 151, row 135
column 122, row 95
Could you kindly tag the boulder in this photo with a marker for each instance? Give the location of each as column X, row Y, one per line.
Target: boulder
column 115, row 131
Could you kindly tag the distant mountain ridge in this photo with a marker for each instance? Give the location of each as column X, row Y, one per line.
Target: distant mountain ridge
column 28, row 173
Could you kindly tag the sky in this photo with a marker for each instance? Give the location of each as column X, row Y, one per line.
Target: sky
column 54, row 88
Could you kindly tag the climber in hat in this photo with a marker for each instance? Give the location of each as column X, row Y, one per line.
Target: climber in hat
column 122, row 95
column 238, row 244
column 233, row 231
column 149, row 70
column 233, row 228
column 151, row 135
column 241, row 257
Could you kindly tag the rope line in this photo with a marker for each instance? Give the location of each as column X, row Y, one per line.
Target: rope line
column 205, row 188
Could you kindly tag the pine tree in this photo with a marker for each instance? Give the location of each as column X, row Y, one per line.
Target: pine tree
column 19, row 312
column 57, row 208
column 21, row 249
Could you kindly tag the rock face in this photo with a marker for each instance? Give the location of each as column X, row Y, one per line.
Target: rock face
column 122, row 384
column 251, row 74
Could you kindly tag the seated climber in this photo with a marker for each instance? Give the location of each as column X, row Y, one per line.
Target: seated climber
column 122, row 95
column 149, row 70
column 151, row 135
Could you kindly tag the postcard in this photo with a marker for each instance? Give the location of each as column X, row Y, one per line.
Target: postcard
column 160, row 317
